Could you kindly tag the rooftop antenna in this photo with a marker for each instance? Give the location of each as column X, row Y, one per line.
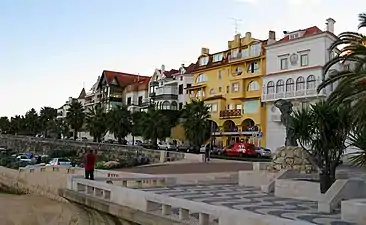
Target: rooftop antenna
column 83, row 84
column 236, row 23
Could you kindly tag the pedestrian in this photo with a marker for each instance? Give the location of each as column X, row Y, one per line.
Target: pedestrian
column 89, row 161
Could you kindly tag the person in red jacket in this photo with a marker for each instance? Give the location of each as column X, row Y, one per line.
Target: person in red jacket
column 89, row 161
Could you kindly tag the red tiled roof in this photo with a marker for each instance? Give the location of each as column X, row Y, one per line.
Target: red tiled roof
column 190, row 68
column 170, row 72
column 307, row 32
column 123, row 79
column 139, row 86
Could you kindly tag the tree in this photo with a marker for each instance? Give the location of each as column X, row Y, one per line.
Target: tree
column 31, row 122
column 96, row 122
column 322, row 131
column 47, row 118
column 119, row 122
column 75, row 117
column 4, row 124
column 16, row 124
column 196, row 124
column 59, row 128
column 357, row 139
column 154, row 125
column 350, row 83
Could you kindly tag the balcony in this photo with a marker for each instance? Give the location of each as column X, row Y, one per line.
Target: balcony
column 309, row 93
column 230, row 113
column 242, row 56
column 166, row 90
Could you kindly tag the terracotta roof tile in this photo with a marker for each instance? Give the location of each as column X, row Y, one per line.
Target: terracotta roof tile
column 123, row 79
column 138, row 86
column 307, row 32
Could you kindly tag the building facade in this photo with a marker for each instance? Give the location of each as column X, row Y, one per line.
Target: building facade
column 294, row 71
column 136, row 95
column 168, row 87
column 230, row 83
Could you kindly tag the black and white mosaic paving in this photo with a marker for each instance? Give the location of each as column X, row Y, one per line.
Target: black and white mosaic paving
column 251, row 199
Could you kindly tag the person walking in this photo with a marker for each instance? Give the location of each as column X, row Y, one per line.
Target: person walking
column 89, row 162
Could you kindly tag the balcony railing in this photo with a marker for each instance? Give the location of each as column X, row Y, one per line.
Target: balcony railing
column 241, row 56
column 230, row 113
column 167, row 91
column 308, row 93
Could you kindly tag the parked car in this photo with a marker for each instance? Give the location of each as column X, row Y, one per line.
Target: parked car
column 147, row 145
column 263, row 152
column 240, row 149
column 167, row 146
column 24, row 158
column 215, row 149
column 59, row 162
column 184, row 148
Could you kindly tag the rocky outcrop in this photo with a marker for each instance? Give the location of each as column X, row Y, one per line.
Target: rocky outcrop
column 293, row 158
column 110, row 151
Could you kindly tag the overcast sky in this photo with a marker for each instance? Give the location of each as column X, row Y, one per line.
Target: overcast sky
column 49, row 49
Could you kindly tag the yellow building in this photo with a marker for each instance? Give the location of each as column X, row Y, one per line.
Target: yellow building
column 230, row 82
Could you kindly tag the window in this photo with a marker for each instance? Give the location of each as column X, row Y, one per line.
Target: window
column 200, row 93
column 304, row 59
column 174, row 106
column 218, row 57
column 300, row 84
column 180, row 89
column 188, row 86
column 270, row 87
column 227, row 89
column 234, row 53
column 235, row 87
column 255, row 50
column 290, row 85
column 140, row 100
column 245, row 53
column 203, row 61
column 253, row 67
column 129, row 101
column 293, row 36
column 238, row 70
column 165, row 105
column 253, row 86
column 212, row 91
column 220, row 74
column 284, row 64
column 213, row 107
column 310, row 82
column 280, row 86
column 238, row 106
column 180, row 105
column 220, row 89
column 251, row 106
column 201, row 78
column 181, row 78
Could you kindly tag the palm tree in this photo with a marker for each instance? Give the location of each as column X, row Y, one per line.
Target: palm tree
column 358, row 140
column 47, row 118
column 75, row 117
column 322, row 131
column 196, row 124
column 350, row 83
column 154, row 125
column 119, row 122
column 96, row 122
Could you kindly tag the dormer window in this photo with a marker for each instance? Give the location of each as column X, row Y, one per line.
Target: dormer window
column 218, row 57
column 293, row 36
column 234, row 53
column 203, row 61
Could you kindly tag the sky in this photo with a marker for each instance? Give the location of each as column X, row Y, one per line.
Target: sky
column 51, row 49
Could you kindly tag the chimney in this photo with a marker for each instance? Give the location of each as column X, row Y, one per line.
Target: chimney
column 205, row 51
column 182, row 65
column 330, row 25
column 237, row 39
column 248, row 35
column 271, row 37
column 162, row 68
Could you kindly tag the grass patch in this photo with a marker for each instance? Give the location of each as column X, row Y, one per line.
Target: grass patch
column 247, row 159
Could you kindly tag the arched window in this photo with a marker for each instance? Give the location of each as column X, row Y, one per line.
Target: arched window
column 310, row 82
column 290, row 85
column 212, row 91
column 165, row 105
column 280, row 86
column 300, row 84
column 270, row 87
column 174, row 106
column 201, row 78
column 253, row 86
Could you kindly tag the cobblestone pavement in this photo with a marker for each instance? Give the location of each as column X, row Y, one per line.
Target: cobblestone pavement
column 251, row 199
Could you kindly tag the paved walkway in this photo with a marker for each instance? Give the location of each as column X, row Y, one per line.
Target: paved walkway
column 185, row 168
column 251, row 199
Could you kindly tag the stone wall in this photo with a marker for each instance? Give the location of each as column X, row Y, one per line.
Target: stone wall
column 292, row 158
column 23, row 144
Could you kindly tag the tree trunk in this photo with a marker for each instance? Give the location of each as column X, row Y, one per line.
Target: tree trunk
column 95, row 139
column 75, row 134
column 133, row 140
column 119, row 139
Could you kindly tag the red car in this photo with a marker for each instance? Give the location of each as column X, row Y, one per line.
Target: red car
column 240, row 149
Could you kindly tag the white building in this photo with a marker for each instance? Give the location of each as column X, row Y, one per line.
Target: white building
column 294, row 70
column 62, row 111
column 136, row 95
column 168, row 88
